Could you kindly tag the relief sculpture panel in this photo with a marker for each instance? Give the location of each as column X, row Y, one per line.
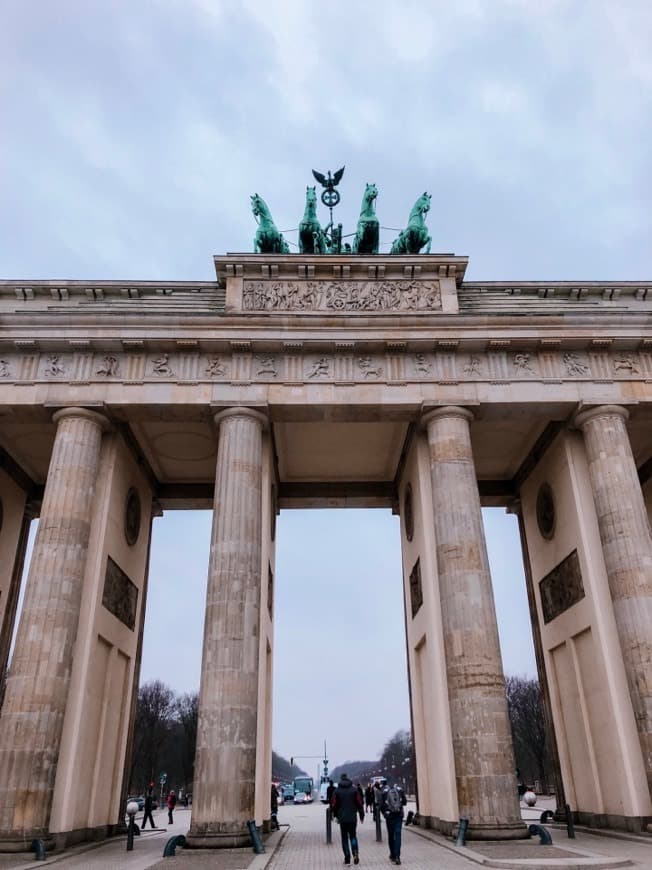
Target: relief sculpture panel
column 561, row 588
column 349, row 296
column 352, row 365
column 120, row 595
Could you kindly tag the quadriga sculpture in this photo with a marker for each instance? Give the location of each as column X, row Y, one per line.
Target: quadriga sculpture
column 268, row 240
column 312, row 239
column 366, row 237
column 415, row 235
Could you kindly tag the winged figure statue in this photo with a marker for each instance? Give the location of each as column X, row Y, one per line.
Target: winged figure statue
column 330, row 182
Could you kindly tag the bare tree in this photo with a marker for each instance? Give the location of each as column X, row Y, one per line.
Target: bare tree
column 154, row 715
column 397, row 760
column 187, row 708
column 526, row 715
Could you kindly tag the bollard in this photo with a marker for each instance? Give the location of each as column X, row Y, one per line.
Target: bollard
column 255, row 837
column 170, row 847
column 329, row 826
column 38, row 847
column 132, row 809
column 461, row 832
column 379, row 829
column 542, row 833
column 569, row 823
column 546, row 816
column 410, row 818
column 130, row 834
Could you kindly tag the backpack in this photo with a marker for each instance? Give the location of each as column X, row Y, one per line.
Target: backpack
column 393, row 801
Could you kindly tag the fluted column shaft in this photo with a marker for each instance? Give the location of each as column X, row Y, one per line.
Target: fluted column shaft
column 225, row 760
column 627, row 549
column 37, row 686
column 482, row 743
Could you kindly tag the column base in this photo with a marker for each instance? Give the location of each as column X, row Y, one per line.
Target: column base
column 21, row 841
column 222, row 835
column 507, row 831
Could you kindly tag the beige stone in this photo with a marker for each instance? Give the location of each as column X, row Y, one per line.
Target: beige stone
column 37, row 686
column 228, row 711
column 627, row 547
column 344, row 354
column 481, row 736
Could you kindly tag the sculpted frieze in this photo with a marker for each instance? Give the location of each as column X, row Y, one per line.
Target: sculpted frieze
column 110, row 367
column 54, row 366
column 343, row 364
column 349, row 296
column 319, row 368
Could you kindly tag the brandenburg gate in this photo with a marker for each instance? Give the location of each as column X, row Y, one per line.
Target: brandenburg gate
column 313, row 380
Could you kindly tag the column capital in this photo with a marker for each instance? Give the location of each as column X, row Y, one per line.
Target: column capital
column 584, row 416
column 241, row 411
column 429, row 414
column 85, row 414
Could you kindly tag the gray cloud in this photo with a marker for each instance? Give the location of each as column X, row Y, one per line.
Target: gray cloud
column 134, row 134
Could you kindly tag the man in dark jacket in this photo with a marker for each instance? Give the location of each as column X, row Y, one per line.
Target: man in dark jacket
column 273, row 822
column 393, row 801
column 149, row 803
column 347, row 806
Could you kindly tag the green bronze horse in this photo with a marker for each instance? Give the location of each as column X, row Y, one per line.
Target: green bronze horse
column 268, row 239
column 312, row 239
column 415, row 235
column 366, row 237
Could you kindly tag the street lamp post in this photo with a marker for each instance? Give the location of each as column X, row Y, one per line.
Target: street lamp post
column 132, row 809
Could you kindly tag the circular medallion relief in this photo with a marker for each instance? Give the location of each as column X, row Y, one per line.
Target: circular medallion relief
column 132, row 516
column 408, row 513
column 546, row 516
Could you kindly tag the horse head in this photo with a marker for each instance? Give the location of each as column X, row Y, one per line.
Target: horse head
column 424, row 203
column 370, row 193
column 258, row 206
column 311, row 196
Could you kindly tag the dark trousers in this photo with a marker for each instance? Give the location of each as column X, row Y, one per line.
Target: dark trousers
column 170, row 819
column 148, row 815
column 394, row 825
column 348, row 831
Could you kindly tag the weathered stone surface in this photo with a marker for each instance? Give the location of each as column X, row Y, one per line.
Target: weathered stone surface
column 225, row 761
column 39, row 677
column 482, row 743
column 627, row 548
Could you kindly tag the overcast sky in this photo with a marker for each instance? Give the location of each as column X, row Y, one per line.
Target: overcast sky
column 133, row 135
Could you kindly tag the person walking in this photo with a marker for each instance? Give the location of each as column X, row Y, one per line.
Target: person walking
column 393, row 801
column 273, row 822
column 149, row 803
column 378, row 799
column 369, row 798
column 172, row 802
column 347, row 806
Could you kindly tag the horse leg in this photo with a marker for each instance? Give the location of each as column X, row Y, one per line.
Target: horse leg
column 429, row 240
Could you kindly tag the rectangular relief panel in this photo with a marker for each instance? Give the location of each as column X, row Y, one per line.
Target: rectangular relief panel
column 350, row 297
column 416, row 589
column 561, row 588
column 120, row 595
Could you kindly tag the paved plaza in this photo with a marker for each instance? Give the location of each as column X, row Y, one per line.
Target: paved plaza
column 300, row 845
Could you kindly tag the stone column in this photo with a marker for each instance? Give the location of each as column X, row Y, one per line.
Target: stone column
column 39, row 676
column 482, row 742
column 225, row 760
column 627, row 549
